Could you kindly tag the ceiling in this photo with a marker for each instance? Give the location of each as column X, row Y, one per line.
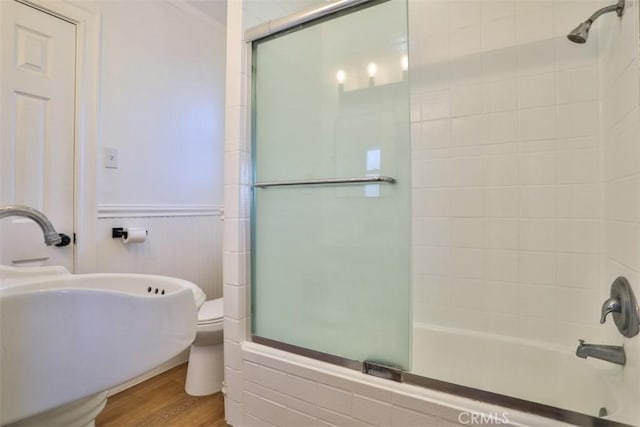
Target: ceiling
column 217, row 9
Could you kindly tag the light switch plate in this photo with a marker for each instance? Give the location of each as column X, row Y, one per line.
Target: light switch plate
column 110, row 158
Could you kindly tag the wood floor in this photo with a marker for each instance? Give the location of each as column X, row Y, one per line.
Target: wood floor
column 162, row 401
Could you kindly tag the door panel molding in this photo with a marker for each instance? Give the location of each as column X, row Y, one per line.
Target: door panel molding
column 88, row 29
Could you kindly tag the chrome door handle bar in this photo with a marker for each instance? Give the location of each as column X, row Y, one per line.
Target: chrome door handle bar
column 327, row 181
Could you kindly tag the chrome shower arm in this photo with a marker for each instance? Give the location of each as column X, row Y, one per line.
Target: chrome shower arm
column 617, row 8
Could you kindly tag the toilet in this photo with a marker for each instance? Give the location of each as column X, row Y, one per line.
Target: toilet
column 205, row 371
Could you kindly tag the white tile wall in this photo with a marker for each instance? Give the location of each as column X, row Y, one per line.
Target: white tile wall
column 523, row 210
column 347, row 398
column 620, row 77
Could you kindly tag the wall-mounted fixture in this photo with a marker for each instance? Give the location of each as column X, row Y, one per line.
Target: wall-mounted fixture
column 581, row 32
column 372, row 70
column 623, row 306
column 129, row 235
column 389, row 75
column 608, row 353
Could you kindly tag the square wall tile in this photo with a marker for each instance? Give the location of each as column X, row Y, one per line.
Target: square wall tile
column 501, row 265
column 467, row 202
column 464, row 13
column 501, row 170
column 538, row 90
column 578, row 85
column 466, row 100
column 579, row 236
column 578, row 271
column 502, row 202
column 535, row 25
column 499, row 64
column 335, row 399
column 538, row 168
column 467, row 171
column 401, row 417
column 466, row 130
column 537, row 57
column 235, row 301
column 538, row 202
column 498, row 33
column 501, row 95
column 578, row 167
column 538, row 123
column 538, row 268
column 371, row 411
column 500, row 127
column 436, row 105
column 500, row 233
column 579, row 201
column 578, row 120
column 537, row 301
column 466, row 41
column 538, row 235
column 466, row 232
column 435, row 134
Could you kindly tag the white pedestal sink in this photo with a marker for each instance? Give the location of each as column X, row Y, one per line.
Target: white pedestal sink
column 67, row 337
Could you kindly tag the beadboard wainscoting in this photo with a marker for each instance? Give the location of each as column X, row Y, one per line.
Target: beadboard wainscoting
column 184, row 241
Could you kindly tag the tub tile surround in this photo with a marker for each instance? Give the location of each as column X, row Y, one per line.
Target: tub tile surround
column 620, row 70
column 339, row 396
column 509, row 149
column 508, row 171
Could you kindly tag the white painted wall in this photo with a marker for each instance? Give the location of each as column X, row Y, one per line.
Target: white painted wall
column 161, row 102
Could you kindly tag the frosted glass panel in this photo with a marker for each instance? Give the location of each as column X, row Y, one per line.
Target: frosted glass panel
column 331, row 263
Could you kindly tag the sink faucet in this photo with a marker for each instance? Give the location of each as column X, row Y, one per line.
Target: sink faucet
column 51, row 236
column 609, row 353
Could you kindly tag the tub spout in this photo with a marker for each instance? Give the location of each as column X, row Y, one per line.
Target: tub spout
column 610, row 353
column 51, row 237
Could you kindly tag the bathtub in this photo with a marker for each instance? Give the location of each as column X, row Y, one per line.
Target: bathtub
column 524, row 369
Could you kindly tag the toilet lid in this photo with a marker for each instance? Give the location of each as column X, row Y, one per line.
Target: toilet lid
column 210, row 311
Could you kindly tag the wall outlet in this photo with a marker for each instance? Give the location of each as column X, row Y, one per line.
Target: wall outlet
column 110, row 158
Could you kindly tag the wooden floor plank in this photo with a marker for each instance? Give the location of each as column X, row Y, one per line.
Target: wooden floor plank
column 162, row 401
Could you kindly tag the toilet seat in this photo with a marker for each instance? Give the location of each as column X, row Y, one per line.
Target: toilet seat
column 211, row 312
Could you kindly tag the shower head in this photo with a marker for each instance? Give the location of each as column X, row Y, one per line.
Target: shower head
column 581, row 32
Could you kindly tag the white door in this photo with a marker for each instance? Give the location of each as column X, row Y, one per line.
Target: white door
column 37, row 113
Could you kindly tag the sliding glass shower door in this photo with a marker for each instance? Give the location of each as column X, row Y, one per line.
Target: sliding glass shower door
column 331, row 211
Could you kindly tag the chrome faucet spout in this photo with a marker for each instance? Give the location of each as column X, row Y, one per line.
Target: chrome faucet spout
column 51, row 236
column 609, row 353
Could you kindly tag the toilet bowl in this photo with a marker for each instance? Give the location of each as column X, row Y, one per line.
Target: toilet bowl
column 205, row 371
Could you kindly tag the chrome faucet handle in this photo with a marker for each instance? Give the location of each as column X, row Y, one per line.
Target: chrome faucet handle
column 612, row 305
